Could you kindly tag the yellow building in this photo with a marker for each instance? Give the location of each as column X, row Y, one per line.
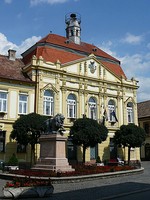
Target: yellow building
column 17, row 92
column 75, row 78
column 144, row 122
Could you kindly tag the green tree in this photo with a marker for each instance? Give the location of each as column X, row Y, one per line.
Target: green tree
column 130, row 136
column 27, row 130
column 87, row 132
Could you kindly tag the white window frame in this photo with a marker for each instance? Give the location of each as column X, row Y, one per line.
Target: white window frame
column 23, row 104
column 130, row 116
column 92, row 108
column 71, row 106
column 3, row 101
column 48, row 103
column 111, row 109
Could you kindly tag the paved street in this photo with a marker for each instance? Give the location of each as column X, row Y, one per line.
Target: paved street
column 126, row 187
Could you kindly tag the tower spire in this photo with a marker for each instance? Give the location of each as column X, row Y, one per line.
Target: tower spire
column 73, row 29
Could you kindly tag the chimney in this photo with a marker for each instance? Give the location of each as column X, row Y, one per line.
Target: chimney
column 12, row 54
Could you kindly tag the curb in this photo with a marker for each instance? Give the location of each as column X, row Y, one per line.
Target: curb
column 73, row 179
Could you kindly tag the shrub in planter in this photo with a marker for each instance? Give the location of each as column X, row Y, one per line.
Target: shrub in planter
column 13, row 161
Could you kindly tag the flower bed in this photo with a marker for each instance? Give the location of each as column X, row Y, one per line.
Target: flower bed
column 79, row 170
column 27, row 187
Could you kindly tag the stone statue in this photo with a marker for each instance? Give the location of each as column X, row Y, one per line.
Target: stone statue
column 54, row 125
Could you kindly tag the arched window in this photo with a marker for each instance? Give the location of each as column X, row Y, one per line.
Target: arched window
column 72, row 32
column 48, row 105
column 92, row 108
column 77, row 32
column 112, row 111
column 130, row 112
column 71, row 106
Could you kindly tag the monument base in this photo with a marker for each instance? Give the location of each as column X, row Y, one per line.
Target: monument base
column 53, row 153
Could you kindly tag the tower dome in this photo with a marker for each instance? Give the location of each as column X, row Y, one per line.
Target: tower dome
column 73, row 29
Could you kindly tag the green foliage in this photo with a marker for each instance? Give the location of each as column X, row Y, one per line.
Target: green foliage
column 13, row 161
column 130, row 135
column 88, row 132
column 98, row 160
column 27, row 129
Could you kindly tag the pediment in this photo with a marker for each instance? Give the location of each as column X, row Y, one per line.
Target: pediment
column 130, row 99
column 49, row 86
column 92, row 67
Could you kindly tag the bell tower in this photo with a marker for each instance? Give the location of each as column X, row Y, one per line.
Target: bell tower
column 73, row 29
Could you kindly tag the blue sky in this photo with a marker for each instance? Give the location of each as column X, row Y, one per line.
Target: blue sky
column 119, row 27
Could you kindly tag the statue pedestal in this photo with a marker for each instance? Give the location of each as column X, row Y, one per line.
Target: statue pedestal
column 53, row 153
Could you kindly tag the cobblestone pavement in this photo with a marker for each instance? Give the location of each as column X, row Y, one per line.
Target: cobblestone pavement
column 100, row 189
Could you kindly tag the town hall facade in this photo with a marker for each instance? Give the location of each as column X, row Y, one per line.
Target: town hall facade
column 65, row 75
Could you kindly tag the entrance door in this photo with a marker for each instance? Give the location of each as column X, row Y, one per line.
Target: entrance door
column 71, row 151
column 147, row 151
column 93, row 152
column 113, row 149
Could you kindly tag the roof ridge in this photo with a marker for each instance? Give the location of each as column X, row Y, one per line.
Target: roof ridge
column 143, row 101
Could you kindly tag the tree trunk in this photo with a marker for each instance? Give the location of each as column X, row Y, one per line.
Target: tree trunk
column 84, row 150
column 129, row 148
column 32, row 155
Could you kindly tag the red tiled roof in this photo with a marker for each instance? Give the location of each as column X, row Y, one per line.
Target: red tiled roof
column 116, row 69
column 83, row 47
column 52, row 55
column 143, row 109
column 12, row 69
column 54, row 47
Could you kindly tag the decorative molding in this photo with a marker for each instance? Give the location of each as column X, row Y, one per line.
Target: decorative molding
column 92, row 67
column 49, row 86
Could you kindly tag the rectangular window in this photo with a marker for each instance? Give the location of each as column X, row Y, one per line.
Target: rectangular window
column 130, row 114
column 111, row 115
column 71, row 109
column 48, row 106
column 146, row 127
column 93, row 152
column 3, row 101
column 92, row 111
column 2, row 141
column 112, row 149
column 23, row 102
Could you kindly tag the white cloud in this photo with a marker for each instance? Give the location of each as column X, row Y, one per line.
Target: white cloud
column 106, row 46
column 132, row 39
column 143, row 91
column 36, row 2
column 8, row 1
column 28, row 43
column 5, row 45
column 137, row 66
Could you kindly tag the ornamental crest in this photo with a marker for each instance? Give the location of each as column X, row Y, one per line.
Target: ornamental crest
column 92, row 67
